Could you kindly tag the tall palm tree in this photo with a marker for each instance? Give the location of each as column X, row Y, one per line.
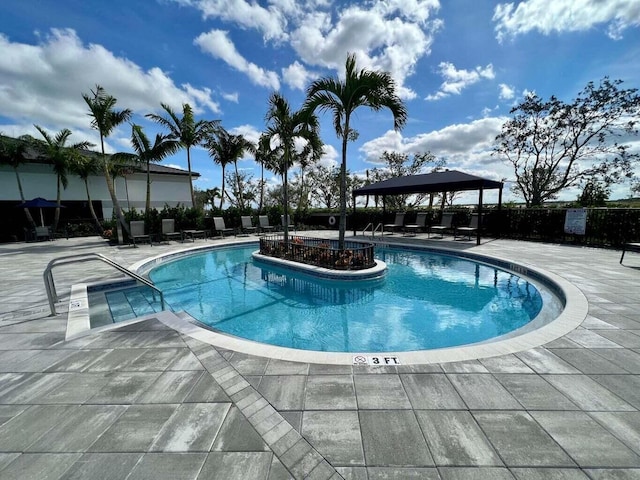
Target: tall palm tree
column 105, row 120
column 225, row 149
column 364, row 88
column 305, row 159
column 146, row 153
column 263, row 155
column 13, row 153
column 84, row 167
column 61, row 156
column 186, row 130
column 284, row 129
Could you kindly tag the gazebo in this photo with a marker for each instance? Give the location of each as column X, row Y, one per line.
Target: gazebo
column 437, row 182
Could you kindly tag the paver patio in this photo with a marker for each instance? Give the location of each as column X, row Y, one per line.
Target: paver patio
column 146, row 402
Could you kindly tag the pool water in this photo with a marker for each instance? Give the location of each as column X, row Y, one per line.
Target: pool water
column 427, row 300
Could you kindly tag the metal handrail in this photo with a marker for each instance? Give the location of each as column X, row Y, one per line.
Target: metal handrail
column 369, row 225
column 50, row 287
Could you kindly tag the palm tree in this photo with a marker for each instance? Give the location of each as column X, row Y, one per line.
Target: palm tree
column 61, row 156
column 226, row 148
column 84, row 167
column 147, row 153
column 263, row 155
column 105, row 120
column 367, row 88
column 13, row 153
column 186, row 130
column 305, row 160
column 284, row 128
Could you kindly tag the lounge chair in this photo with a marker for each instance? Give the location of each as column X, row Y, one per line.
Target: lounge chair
column 169, row 229
column 397, row 223
column 219, row 226
column 469, row 229
column 264, row 224
column 247, row 225
column 44, row 233
column 290, row 223
column 629, row 247
column 445, row 224
column 412, row 228
column 137, row 232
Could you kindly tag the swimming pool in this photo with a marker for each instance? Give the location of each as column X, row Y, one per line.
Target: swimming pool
column 427, row 301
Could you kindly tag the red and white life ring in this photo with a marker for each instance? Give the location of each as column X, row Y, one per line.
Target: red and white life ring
column 332, row 220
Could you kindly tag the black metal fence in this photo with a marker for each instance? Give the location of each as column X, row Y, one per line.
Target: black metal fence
column 319, row 252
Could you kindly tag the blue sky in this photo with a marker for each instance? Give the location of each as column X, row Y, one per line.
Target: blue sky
column 459, row 65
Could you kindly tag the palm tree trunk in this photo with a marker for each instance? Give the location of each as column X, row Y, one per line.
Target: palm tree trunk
column 343, row 187
column 56, row 217
column 32, row 223
column 239, row 199
column 261, row 186
column 222, row 191
column 92, row 210
column 147, row 205
column 193, row 198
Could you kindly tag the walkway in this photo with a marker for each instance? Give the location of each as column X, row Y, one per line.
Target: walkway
column 145, row 402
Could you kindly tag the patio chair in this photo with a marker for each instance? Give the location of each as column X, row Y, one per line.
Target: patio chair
column 219, row 226
column 169, row 230
column 469, row 229
column 397, row 223
column 445, row 224
column 247, row 225
column 264, row 224
column 411, row 229
column 629, row 247
column 290, row 223
column 43, row 233
column 136, row 228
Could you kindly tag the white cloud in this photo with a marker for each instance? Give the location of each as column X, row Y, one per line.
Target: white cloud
column 231, row 97
column 218, row 45
column 297, row 76
column 381, row 39
column 457, row 80
column 565, row 16
column 247, row 131
column 270, row 21
column 44, row 83
column 507, row 92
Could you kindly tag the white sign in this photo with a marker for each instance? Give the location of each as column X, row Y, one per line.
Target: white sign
column 376, row 360
column 575, row 221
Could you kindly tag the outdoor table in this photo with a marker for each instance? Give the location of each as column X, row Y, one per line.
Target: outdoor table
column 192, row 234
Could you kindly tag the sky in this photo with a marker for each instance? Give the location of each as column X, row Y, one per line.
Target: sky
column 459, row 65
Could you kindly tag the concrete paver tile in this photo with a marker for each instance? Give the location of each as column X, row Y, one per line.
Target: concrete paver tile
column 399, row 473
column 520, row 441
column 454, row 438
column 170, row 387
column 466, row 473
column 587, row 393
column 336, row 435
column 393, row 438
column 284, row 392
column 534, row 393
column 105, row 466
column 42, row 466
column 26, row 428
column 548, row 474
column 588, row 443
column 380, row 392
column 623, row 425
column 238, row 435
column 330, row 392
column 168, row 466
column 483, row 391
column 431, row 391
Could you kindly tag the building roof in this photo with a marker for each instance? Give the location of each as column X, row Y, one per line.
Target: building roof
column 447, row 181
column 33, row 156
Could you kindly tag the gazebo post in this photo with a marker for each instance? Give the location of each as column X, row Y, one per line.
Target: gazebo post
column 353, row 220
column 479, row 216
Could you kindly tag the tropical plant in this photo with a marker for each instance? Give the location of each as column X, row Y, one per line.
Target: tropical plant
column 553, row 145
column 263, row 155
column 146, row 153
column 105, row 120
column 225, row 148
column 364, row 88
column 186, row 130
column 285, row 129
column 84, row 167
column 13, row 153
column 61, row 156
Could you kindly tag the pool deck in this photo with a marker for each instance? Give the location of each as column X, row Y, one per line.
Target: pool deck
column 146, row 402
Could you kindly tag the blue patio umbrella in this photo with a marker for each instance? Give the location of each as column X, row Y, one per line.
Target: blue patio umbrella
column 40, row 203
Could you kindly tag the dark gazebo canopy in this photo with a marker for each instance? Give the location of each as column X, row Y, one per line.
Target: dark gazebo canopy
column 447, row 181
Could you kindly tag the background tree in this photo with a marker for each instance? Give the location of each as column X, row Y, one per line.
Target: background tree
column 553, row 145
column 226, row 149
column 365, row 88
column 594, row 194
column 207, row 197
column 186, row 130
column 324, row 183
column 264, row 156
column 105, row 120
column 284, row 128
column 61, row 155
column 146, row 153
column 84, row 167
column 13, row 153
column 401, row 165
